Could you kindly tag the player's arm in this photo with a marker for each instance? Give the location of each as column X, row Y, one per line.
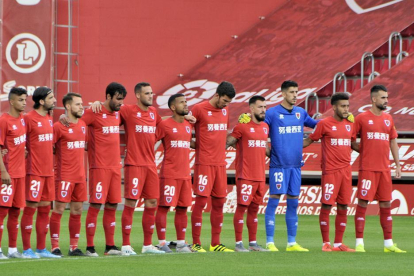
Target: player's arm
column 192, row 144
column 395, row 155
column 5, row 177
column 307, row 142
column 309, row 121
column 355, row 146
column 268, row 150
column 231, row 141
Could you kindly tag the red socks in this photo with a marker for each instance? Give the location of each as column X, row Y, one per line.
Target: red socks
column 42, row 226
column 3, row 213
column 148, row 221
column 386, row 222
column 90, row 225
column 360, row 221
column 216, row 219
column 324, row 224
column 74, row 230
column 127, row 218
column 27, row 225
column 180, row 222
column 197, row 218
column 109, row 225
column 252, row 221
column 13, row 226
column 55, row 229
column 161, row 221
column 340, row 225
column 238, row 221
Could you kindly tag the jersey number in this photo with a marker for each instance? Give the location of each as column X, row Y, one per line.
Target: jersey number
column 6, row 189
column 35, row 185
column 246, row 189
column 202, row 179
column 329, row 188
column 278, row 177
column 169, row 190
column 366, row 184
column 135, row 182
column 65, row 185
column 99, row 187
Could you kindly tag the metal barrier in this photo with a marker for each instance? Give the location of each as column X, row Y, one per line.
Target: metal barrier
column 364, row 56
column 392, row 36
column 313, row 94
column 400, row 56
column 372, row 76
column 339, row 76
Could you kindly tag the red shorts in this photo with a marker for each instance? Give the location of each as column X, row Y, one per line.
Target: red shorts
column 40, row 188
column 13, row 194
column 141, row 182
column 105, row 186
column 337, row 187
column 175, row 192
column 67, row 191
column 248, row 191
column 375, row 186
column 210, row 181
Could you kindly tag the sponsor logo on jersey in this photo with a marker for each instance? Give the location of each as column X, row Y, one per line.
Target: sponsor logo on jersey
column 110, row 129
column 188, row 129
column 265, row 130
column 340, row 142
column 19, row 140
column 327, row 196
column 5, row 198
column 364, row 192
column 224, row 112
column 98, row 195
column 245, row 197
column 168, row 199
column 215, row 127
column 76, row 145
column 348, row 127
column 201, row 188
column 298, row 115
column 378, row 136
column 145, row 129
column 64, row 193
column 46, row 137
column 387, row 122
column 35, row 193
column 180, row 144
column 134, row 192
column 152, row 115
column 257, row 143
column 290, row 129
column 278, row 186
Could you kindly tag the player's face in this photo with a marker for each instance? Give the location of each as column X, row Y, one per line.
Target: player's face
column 146, row 96
column 180, row 105
column 341, row 109
column 222, row 101
column 290, row 95
column 380, row 100
column 258, row 109
column 50, row 102
column 116, row 102
column 18, row 102
column 76, row 107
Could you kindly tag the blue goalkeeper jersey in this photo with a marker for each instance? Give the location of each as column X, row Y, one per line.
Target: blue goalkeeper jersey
column 286, row 135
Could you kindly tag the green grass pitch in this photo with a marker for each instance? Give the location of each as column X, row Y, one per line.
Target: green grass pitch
column 373, row 262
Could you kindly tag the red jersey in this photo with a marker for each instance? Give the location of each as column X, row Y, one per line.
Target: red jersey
column 69, row 151
column 176, row 139
column 140, row 128
column 336, row 142
column 13, row 138
column 251, row 150
column 376, row 132
column 211, row 134
column 39, row 131
column 104, row 151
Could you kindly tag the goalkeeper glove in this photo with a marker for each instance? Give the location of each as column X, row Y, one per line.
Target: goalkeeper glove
column 350, row 117
column 245, row 118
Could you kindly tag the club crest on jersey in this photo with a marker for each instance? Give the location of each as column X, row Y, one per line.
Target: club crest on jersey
column 188, row 129
column 168, row 199
column 35, row 193
column 51, row 123
column 364, row 192
column 152, row 115
column 83, row 130
column 116, row 115
column 134, row 192
column 64, row 193
column 245, row 197
column 98, row 195
column 278, row 186
column 327, row 196
column 224, row 112
column 265, row 130
column 387, row 122
column 5, row 199
column 201, row 188
column 348, row 127
column 23, row 123
column 298, row 115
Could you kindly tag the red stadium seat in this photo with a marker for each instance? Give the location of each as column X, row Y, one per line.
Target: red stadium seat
column 383, row 50
column 409, row 31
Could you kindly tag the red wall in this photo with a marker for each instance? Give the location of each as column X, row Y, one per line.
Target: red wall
column 154, row 41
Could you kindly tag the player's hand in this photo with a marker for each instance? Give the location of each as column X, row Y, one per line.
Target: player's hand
column 190, row 118
column 5, row 178
column 96, row 107
column 4, row 152
column 398, row 172
column 64, row 120
column 245, row 118
column 350, row 117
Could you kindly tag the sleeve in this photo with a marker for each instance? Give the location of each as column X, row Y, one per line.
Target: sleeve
column 357, row 128
column 393, row 132
column 237, row 131
column 308, row 121
column 268, row 117
column 159, row 119
column 318, row 131
column 27, row 123
column 56, row 132
column 353, row 137
column 160, row 132
column 88, row 117
column 195, row 112
column 3, row 131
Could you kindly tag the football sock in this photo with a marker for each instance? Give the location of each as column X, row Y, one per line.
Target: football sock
column 251, row 221
column 180, row 221
column 238, row 221
column 13, row 226
column 27, row 225
column 3, row 213
column 127, row 218
column 161, row 221
column 197, row 218
column 55, row 229
column 148, row 221
column 42, row 225
column 109, row 225
column 360, row 221
column 74, row 230
column 324, row 224
column 291, row 219
column 90, row 225
column 386, row 222
column 340, row 225
column 270, row 222
column 216, row 219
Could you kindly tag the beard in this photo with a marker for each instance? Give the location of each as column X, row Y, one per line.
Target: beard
column 182, row 112
column 260, row 119
column 381, row 107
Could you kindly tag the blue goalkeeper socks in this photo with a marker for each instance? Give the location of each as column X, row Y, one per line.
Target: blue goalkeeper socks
column 270, row 218
column 291, row 218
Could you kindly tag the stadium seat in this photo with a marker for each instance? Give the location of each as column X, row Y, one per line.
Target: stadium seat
column 383, row 50
column 356, row 70
column 409, row 31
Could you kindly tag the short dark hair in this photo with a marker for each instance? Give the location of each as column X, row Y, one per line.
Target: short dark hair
column 173, row 97
column 68, row 98
column 377, row 88
column 288, row 83
column 115, row 88
column 40, row 93
column 339, row 96
column 256, row 98
column 139, row 86
column 225, row 88
column 18, row 91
